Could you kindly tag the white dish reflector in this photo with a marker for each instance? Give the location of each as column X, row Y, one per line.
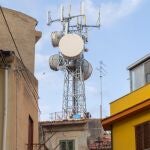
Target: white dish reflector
column 71, row 45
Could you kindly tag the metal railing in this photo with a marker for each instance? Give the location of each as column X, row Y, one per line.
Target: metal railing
column 60, row 116
column 56, row 116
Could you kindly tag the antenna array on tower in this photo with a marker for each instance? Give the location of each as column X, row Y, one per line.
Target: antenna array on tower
column 71, row 42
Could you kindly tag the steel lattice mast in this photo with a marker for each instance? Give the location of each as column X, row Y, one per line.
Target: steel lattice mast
column 71, row 42
column 74, row 100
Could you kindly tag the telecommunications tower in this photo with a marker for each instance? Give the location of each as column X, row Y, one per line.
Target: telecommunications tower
column 71, row 42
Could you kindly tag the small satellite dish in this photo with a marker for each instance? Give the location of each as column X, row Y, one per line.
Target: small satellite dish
column 71, row 45
column 86, row 69
column 55, row 61
column 55, row 37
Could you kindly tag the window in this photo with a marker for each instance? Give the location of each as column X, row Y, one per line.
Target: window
column 67, row 145
column 142, row 135
column 30, row 133
column 147, row 71
column 148, row 78
column 140, row 75
column 137, row 77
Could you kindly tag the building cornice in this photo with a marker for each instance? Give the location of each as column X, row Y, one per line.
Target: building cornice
column 107, row 122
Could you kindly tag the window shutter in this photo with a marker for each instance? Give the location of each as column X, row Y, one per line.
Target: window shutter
column 142, row 135
column 139, row 137
column 147, row 135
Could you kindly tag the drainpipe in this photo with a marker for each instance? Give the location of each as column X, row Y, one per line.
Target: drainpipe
column 5, row 108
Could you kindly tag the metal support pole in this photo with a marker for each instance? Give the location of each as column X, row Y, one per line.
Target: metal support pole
column 101, row 74
column 101, row 93
column 5, row 109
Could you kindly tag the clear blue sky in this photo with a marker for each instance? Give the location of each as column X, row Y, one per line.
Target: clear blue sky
column 123, row 38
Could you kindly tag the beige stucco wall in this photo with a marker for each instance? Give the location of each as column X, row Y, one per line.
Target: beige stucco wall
column 80, row 138
column 84, row 132
column 24, row 33
column 21, row 104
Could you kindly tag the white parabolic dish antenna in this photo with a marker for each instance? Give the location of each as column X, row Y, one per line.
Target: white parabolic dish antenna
column 71, row 45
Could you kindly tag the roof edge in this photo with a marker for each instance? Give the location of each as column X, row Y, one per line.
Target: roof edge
column 107, row 122
column 20, row 14
column 138, row 62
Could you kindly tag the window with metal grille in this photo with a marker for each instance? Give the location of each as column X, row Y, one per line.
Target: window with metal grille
column 142, row 135
column 67, row 145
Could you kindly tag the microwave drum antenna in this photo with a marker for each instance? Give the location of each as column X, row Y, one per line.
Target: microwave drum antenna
column 71, row 46
column 55, row 61
column 86, row 69
column 55, row 38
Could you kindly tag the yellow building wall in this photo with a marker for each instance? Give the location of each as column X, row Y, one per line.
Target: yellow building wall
column 124, row 131
column 130, row 100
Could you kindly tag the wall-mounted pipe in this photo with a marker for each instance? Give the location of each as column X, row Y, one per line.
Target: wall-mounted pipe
column 5, row 108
